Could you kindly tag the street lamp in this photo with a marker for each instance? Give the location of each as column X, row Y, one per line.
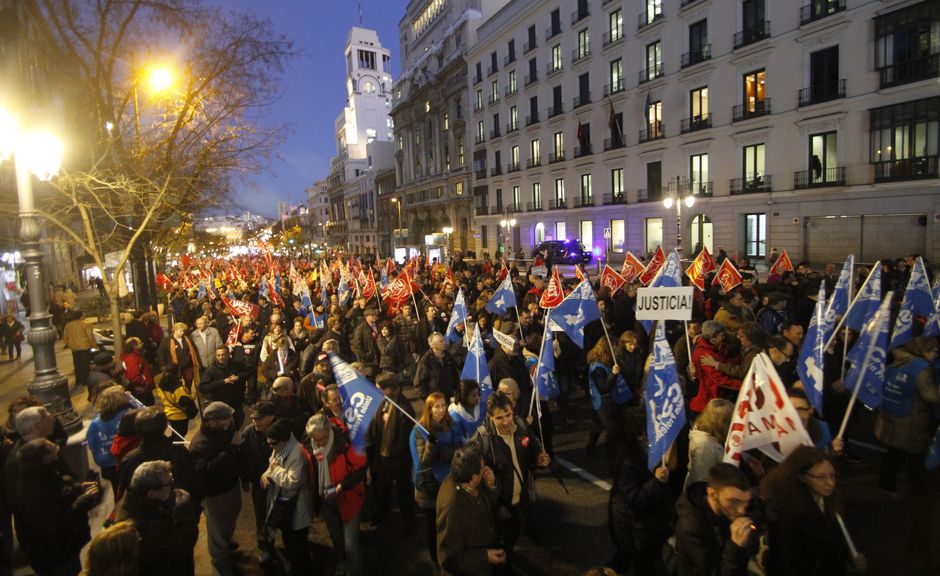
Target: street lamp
column 397, row 203
column 40, row 154
column 668, row 202
column 447, row 230
column 507, row 225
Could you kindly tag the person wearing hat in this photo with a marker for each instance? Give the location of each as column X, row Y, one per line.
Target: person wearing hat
column 711, row 381
column 364, row 340
column 216, row 451
column 255, row 455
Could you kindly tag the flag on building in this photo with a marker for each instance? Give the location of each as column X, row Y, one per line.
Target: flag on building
column 665, row 405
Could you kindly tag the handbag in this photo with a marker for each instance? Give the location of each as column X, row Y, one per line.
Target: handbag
column 281, row 514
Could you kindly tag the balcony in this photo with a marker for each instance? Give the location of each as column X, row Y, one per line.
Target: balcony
column 700, row 189
column 482, row 210
column 579, row 15
column 554, row 157
column 492, row 99
column 554, row 68
column 533, row 163
column 910, row 71
column 557, row 204
column 753, row 34
column 916, row 168
column 512, row 167
column 613, row 143
column 615, row 199
column 477, row 106
column 512, row 127
column 649, row 195
column 819, row 9
column 822, row 93
column 581, row 100
column 695, row 123
column 513, row 208
column 494, row 133
column 579, row 54
column 477, row 80
column 552, row 31
column 694, row 57
column 531, row 78
column 648, row 74
column 610, row 39
column 480, row 173
column 479, row 139
column 533, row 207
column 753, row 185
column 584, row 202
column 819, row 179
column 753, row 110
column 652, row 132
column 511, row 90
column 585, row 150
column 615, row 87
column 533, row 119
column 490, row 70
column 555, row 110
column 645, row 19
column 508, row 59
column 496, row 170
column 529, row 46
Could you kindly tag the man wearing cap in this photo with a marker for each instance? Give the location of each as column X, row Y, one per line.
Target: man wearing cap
column 255, row 454
column 363, row 341
column 712, row 344
column 225, row 381
column 216, row 453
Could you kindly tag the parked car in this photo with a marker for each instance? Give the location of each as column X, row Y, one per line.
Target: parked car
column 564, row 251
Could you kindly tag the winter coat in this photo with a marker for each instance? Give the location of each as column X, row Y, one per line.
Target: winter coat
column 436, row 375
column 289, row 477
column 167, row 534
column 364, row 346
column 388, row 441
column 206, row 345
column 137, row 372
column 170, row 397
column 181, row 461
column 271, row 367
column 709, row 379
column 436, row 455
column 498, row 457
column 704, row 452
column 465, row 529
column 703, row 539
column 216, row 460
column 213, row 387
column 100, row 436
column 904, row 418
column 640, row 506
column 348, row 468
column 801, row 545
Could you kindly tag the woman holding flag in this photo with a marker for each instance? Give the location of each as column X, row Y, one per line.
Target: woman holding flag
column 605, row 382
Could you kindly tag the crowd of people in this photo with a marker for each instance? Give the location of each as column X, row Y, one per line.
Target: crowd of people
column 274, row 431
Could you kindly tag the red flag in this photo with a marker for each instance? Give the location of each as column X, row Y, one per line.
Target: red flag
column 611, row 280
column 389, row 267
column 368, row 286
column 163, row 281
column 728, row 276
column 632, row 267
column 782, row 264
column 578, row 273
column 239, row 308
column 659, row 258
column 503, row 271
column 398, row 290
column 276, row 298
column 234, row 334
column 702, row 265
column 448, row 279
column 553, row 294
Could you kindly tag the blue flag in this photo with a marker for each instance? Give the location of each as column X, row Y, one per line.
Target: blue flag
column 202, row 291
column 867, row 357
column 809, row 366
column 383, row 278
column 665, row 406
column 458, row 316
column 866, row 302
column 545, row 369
column 263, row 289
column 475, row 368
column 277, row 281
column 577, row 310
column 361, row 400
column 842, row 294
column 503, row 298
column 917, row 302
column 343, row 292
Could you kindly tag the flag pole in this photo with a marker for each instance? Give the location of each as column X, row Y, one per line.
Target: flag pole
column 848, row 539
column 858, row 385
column 849, row 309
column 410, row 417
column 845, row 338
column 538, row 364
column 688, row 343
column 519, row 323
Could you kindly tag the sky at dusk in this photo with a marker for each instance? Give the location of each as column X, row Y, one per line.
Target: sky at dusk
column 313, row 89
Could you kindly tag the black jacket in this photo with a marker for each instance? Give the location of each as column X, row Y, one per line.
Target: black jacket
column 364, row 346
column 804, row 545
column 497, row 456
column 436, row 375
column 254, row 455
column 640, row 507
column 213, row 386
column 703, row 539
column 167, row 535
column 505, row 366
column 184, row 470
column 388, row 442
column 216, row 460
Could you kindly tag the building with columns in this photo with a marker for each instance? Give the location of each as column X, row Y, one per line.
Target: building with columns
column 810, row 126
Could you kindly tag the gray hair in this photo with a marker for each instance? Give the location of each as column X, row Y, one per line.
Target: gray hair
column 317, row 423
column 282, row 382
column 28, row 418
column 435, row 337
column 150, row 476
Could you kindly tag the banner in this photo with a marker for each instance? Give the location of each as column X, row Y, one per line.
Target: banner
column 554, row 294
column 659, row 258
column 361, row 401
column 664, row 303
column 632, row 267
column 611, row 280
column 728, row 276
column 575, row 312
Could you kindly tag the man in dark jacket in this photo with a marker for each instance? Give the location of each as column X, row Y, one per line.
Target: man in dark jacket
column 151, row 426
column 225, row 381
column 363, row 341
column 437, row 371
column 163, row 518
column 282, row 362
column 713, row 530
column 215, row 450
column 513, row 454
column 246, row 353
column 507, row 362
column 255, row 456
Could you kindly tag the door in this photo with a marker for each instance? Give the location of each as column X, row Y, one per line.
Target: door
column 824, row 73
column 654, row 180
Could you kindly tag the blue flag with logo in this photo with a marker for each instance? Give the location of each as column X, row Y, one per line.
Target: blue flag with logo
column 866, row 302
column 545, row 368
column 669, row 276
column 917, row 301
column 343, row 292
column 361, row 401
column 475, row 368
column 263, row 290
column 277, row 281
column 838, row 302
column 577, row 310
column 202, row 291
column 665, row 406
column 458, row 316
column 503, row 298
column 809, row 366
column 867, row 358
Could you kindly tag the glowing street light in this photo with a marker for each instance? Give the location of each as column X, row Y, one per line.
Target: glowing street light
column 689, row 201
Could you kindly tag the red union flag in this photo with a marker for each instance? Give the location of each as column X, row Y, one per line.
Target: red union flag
column 389, row 267
column 611, row 280
column 398, row 291
column 368, row 285
column 659, row 258
column 503, row 271
column 782, row 264
column 702, row 265
column 554, row 294
column 728, row 276
column 239, row 308
column 632, row 267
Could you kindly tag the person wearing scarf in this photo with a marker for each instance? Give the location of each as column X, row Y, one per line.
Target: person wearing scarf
column 179, row 357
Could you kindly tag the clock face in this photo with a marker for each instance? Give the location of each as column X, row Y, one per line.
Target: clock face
column 368, row 87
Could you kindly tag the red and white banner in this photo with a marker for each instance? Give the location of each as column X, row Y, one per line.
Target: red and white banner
column 632, row 267
column 398, row 291
column 782, row 264
column 728, row 276
column 239, row 308
column 653, row 267
column 554, row 294
column 611, row 280
column 368, row 286
column 702, row 265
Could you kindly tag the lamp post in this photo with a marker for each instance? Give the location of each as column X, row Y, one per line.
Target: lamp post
column 39, row 154
column 397, row 203
column 689, row 202
column 507, row 226
column 447, row 230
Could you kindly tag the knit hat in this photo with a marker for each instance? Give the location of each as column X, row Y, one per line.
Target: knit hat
column 279, row 431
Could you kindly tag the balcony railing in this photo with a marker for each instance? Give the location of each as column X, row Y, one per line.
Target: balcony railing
column 649, row 195
column 685, row 3
column 752, row 110
column 554, row 68
column 528, row 47
column 916, row 168
column 910, row 71
column 513, row 207
column 753, row 185
column 512, row 167
column 477, row 79
column 695, row 123
column 480, row 173
column 531, row 78
column 552, row 31
column 477, row 106
column 533, row 207
column 613, row 143
column 556, row 156
column 693, row 57
column 496, row 170
column 645, row 19
column 822, row 93
column 614, row 199
column 533, row 119
column 579, row 15
column 819, row 178
column 583, row 201
column 533, row 162
column 479, row 139
column 555, row 110
column 609, row 39
column 753, row 34
column 494, row 133
column 615, row 87
column 492, row 99
column 585, row 150
column 482, row 210
column 580, row 53
column 508, row 59
column 651, row 73
column 702, row 189
column 490, row 70
column 557, row 204
column 581, row 100
column 818, row 9
column 511, row 127
column 652, row 132
column 511, row 90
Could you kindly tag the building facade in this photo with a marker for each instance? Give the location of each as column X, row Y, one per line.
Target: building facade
column 430, row 111
column 811, row 128
column 318, row 213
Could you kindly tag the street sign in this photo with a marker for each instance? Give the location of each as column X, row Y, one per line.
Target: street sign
column 607, row 233
column 664, row 303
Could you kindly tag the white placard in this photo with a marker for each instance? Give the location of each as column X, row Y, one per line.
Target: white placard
column 664, row 303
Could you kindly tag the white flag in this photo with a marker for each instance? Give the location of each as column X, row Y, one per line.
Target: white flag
column 764, row 418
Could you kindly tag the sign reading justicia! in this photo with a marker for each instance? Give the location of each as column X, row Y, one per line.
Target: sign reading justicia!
column 664, row 303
